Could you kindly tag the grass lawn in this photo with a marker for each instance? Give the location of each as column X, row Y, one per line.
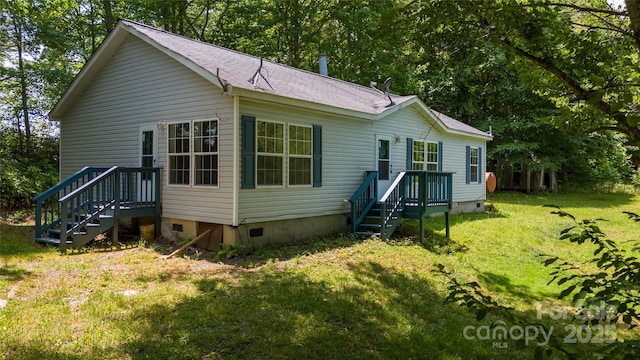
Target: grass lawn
column 331, row 298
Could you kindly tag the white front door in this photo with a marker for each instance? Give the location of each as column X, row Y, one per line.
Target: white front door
column 383, row 163
column 148, row 159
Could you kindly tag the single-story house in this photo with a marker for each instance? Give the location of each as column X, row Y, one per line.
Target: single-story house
column 203, row 137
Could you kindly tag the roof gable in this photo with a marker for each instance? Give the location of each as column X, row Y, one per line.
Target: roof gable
column 235, row 73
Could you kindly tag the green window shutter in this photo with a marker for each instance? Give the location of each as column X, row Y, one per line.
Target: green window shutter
column 480, row 174
column 409, row 154
column 439, row 155
column 468, row 165
column 317, row 156
column 248, row 152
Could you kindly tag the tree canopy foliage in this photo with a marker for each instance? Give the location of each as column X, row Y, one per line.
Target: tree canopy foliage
column 550, row 78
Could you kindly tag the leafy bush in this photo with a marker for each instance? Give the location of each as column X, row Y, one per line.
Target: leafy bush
column 25, row 174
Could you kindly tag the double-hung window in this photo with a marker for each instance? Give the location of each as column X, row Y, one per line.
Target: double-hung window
column 270, row 156
column 474, row 165
column 179, row 153
column 193, row 153
column 205, row 152
column 432, row 156
column 300, row 147
column 418, row 155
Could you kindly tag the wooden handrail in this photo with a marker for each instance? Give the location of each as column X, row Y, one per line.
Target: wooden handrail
column 89, row 184
column 363, row 199
column 47, row 205
column 393, row 185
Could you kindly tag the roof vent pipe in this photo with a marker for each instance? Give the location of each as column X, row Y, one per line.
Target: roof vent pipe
column 322, row 60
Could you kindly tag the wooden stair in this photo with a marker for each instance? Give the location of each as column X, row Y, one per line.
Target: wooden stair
column 91, row 202
column 84, row 231
column 412, row 195
column 371, row 224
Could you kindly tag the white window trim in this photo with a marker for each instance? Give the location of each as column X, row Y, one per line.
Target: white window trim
column 288, row 157
column 285, row 156
column 192, row 155
column 426, row 155
column 472, row 166
column 413, row 155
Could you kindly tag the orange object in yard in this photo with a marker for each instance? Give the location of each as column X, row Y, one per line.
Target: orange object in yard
column 490, row 180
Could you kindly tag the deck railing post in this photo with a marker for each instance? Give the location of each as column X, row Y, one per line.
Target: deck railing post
column 383, row 220
column 375, row 186
column 38, row 218
column 64, row 208
column 116, row 208
column 157, row 198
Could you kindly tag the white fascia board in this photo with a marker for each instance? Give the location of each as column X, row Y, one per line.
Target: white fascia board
column 425, row 110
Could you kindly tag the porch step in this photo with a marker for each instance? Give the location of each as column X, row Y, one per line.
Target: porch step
column 52, row 241
column 367, row 233
column 56, row 233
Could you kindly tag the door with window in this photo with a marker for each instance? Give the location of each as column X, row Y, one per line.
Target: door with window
column 148, row 159
column 383, row 163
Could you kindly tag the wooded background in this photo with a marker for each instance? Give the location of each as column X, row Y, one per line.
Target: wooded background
column 557, row 82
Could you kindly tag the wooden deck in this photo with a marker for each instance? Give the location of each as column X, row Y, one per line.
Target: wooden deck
column 412, row 195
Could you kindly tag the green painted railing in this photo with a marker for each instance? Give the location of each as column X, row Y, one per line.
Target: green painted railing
column 47, row 205
column 364, row 199
column 114, row 190
column 411, row 195
column 87, row 203
column 392, row 205
column 438, row 187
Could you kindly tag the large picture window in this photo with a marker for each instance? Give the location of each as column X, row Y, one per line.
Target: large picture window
column 280, row 154
column 193, row 153
column 281, row 147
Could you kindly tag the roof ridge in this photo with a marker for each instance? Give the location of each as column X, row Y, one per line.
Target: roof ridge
column 329, row 78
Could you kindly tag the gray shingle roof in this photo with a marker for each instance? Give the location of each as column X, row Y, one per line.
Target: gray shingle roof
column 221, row 65
column 237, row 69
column 457, row 125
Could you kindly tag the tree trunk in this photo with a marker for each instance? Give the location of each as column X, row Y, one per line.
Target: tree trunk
column 108, row 15
column 23, row 87
column 554, row 181
column 633, row 9
column 528, row 180
column 541, row 180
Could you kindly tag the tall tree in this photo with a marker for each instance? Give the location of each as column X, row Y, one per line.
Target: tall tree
column 582, row 54
column 16, row 27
